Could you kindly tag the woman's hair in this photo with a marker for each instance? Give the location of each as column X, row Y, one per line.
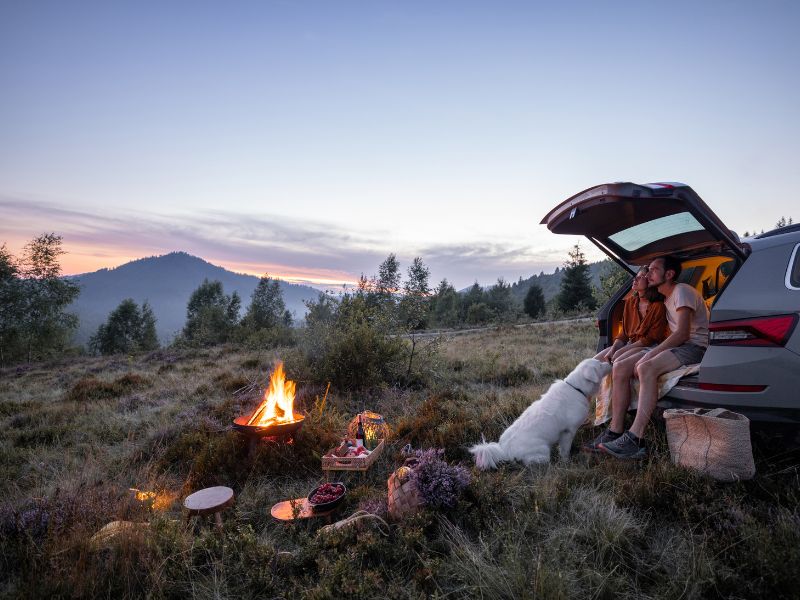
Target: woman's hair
column 651, row 294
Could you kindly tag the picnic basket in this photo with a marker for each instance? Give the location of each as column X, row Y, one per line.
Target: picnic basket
column 715, row 442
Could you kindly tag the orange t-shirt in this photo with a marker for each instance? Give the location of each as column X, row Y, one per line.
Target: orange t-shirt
column 652, row 329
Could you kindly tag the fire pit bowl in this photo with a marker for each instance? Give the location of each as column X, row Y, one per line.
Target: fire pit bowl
column 336, row 489
column 276, row 430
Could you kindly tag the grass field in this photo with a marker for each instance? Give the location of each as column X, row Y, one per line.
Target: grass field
column 77, row 435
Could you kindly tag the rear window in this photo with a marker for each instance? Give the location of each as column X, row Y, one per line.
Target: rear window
column 642, row 234
column 793, row 273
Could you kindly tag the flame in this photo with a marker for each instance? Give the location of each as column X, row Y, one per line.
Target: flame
column 143, row 496
column 278, row 404
column 157, row 500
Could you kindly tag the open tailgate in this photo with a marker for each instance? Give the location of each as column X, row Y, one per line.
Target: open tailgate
column 635, row 223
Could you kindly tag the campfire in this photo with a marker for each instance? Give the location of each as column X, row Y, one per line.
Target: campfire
column 275, row 416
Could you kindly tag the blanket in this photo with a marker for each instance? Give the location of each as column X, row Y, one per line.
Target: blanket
column 667, row 381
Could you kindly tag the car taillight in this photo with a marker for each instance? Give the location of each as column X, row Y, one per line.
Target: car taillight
column 761, row 331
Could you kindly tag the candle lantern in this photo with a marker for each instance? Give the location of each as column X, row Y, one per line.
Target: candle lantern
column 375, row 428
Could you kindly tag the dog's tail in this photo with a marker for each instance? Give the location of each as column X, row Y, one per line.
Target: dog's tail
column 488, row 455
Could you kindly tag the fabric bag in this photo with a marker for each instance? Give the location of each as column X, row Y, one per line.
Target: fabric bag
column 715, row 442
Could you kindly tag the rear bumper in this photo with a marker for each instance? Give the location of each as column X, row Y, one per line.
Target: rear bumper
column 688, row 395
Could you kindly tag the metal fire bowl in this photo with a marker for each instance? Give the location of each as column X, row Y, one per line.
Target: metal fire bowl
column 280, row 430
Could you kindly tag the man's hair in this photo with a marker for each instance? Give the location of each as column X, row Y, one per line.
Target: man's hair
column 672, row 263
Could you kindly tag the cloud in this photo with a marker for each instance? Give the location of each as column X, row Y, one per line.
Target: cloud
column 299, row 250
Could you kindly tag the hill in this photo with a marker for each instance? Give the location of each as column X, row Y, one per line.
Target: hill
column 551, row 282
column 166, row 282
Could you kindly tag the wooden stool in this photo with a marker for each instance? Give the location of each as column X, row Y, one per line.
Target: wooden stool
column 211, row 500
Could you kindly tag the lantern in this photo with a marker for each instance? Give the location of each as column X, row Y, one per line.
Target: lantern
column 375, row 428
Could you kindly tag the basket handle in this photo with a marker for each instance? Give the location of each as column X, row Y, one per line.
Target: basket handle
column 724, row 413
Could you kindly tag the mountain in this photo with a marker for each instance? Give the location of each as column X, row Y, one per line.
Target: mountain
column 166, row 282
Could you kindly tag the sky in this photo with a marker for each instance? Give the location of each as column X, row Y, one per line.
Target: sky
column 311, row 139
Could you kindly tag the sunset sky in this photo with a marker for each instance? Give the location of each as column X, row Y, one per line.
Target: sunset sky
column 311, row 139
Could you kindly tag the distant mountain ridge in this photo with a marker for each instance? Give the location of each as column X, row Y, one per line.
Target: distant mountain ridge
column 166, row 282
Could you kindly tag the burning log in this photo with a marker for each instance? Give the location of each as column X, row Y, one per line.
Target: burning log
column 275, row 416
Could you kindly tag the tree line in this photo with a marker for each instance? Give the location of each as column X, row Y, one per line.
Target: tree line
column 35, row 323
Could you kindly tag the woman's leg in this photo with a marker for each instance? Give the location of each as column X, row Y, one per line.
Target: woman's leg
column 621, row 375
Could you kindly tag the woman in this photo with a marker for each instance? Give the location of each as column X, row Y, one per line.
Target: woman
column 644, row 320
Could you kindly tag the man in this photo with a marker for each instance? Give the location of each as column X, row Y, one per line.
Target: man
column 687, row 317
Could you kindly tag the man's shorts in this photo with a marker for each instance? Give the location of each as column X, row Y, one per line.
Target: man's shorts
column 689, row 353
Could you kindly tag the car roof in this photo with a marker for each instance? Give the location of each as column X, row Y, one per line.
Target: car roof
column 794, row 228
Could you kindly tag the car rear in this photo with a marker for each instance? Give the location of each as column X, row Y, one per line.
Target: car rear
column 752, row 289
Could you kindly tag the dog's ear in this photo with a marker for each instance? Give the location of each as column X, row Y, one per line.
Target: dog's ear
column 593, row 370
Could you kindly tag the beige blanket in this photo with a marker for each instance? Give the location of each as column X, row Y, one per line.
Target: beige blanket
column 602, row 407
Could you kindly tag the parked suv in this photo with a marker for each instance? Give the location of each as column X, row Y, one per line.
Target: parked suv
column 751, row 286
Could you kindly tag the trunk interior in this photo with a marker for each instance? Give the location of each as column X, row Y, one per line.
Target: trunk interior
column 707, row 274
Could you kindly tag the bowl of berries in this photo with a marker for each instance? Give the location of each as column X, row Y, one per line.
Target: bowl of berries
column 326, row 496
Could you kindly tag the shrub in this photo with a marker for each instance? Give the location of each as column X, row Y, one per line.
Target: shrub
column 439, row 483
column 354, row 348
column 91, row 388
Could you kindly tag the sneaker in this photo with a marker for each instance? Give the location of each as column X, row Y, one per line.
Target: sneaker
column 625, row 447
column 593, row 447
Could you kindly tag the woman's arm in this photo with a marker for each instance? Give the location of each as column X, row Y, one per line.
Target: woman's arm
column 629, row 349
column 653, row 329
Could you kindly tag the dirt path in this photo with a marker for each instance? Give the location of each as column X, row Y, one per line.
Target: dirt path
column 456, row 332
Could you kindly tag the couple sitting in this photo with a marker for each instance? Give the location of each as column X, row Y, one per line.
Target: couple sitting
column 665, row 326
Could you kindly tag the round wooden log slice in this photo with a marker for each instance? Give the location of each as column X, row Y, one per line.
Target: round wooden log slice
column 210, row 500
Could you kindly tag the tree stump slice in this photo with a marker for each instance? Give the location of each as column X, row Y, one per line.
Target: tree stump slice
column 284, row 512
column 208, row 501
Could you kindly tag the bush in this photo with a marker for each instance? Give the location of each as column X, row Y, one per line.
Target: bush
column 91, row 388
column 265, row 339
column 354, row 348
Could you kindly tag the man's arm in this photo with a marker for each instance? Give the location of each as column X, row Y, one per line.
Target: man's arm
column 677, row 337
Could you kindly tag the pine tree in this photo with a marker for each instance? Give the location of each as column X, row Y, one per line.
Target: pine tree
column 149, row 338
column 534, row 301
column 576, row 288
column 445, row 305
column 473, row 295
column 500, row 302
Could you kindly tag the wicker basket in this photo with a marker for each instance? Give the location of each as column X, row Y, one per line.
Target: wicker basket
column 404, row 498
column 715, row 442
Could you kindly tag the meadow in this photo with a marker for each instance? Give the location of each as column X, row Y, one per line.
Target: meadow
column 78, row 434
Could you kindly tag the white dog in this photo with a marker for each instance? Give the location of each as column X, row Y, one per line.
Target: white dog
column 554, row 418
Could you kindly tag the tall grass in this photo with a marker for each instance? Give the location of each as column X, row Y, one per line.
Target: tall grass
column 76, row 435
